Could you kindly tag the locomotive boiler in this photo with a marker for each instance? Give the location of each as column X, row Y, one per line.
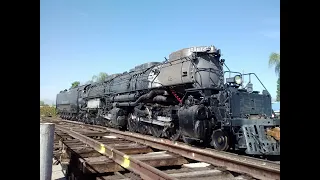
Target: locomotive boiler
column 185, row 97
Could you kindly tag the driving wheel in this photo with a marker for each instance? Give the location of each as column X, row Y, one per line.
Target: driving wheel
column 220, row 140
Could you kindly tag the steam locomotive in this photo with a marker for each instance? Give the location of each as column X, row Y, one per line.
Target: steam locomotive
column 186, row 97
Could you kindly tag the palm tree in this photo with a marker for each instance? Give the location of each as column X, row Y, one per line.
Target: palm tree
column 274, row 60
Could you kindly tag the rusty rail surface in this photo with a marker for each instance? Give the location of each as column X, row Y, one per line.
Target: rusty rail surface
column 256, row 168
column 144, row 170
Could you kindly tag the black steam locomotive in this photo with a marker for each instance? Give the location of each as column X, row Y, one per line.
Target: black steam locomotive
column 186, row 97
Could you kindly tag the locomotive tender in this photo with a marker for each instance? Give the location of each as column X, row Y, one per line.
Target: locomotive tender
column 186, row 97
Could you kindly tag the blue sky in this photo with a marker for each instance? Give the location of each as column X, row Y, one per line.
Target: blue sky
column 80, row 38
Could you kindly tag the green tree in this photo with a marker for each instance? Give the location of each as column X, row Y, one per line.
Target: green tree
column 278, row 90
column 42, row 103
column 100, row 78
column 274, row 61
column 75, row 84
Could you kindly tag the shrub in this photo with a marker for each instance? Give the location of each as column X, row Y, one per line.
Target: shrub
column 48, row 111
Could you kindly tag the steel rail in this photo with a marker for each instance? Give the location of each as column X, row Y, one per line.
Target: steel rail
column 144, row 170
column 257, row 168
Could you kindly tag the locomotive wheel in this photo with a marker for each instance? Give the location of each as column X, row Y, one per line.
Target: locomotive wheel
column 143, row 129
column 99, row 121
column 220, row 140
column 156, row 131
column 86, row 120
column 107, row 124
column 132, row 125
column 173, row 134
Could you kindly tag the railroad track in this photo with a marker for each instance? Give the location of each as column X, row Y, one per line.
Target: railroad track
column 111, row 154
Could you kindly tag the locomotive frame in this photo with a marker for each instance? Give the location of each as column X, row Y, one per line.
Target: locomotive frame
column 185, row 97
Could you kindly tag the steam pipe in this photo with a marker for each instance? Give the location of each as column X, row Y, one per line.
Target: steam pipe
column 150, row 95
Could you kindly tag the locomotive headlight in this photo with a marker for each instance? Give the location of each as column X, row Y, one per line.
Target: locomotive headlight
column 238, row 79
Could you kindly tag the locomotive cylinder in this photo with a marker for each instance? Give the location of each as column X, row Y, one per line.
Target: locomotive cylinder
column 194, row 121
